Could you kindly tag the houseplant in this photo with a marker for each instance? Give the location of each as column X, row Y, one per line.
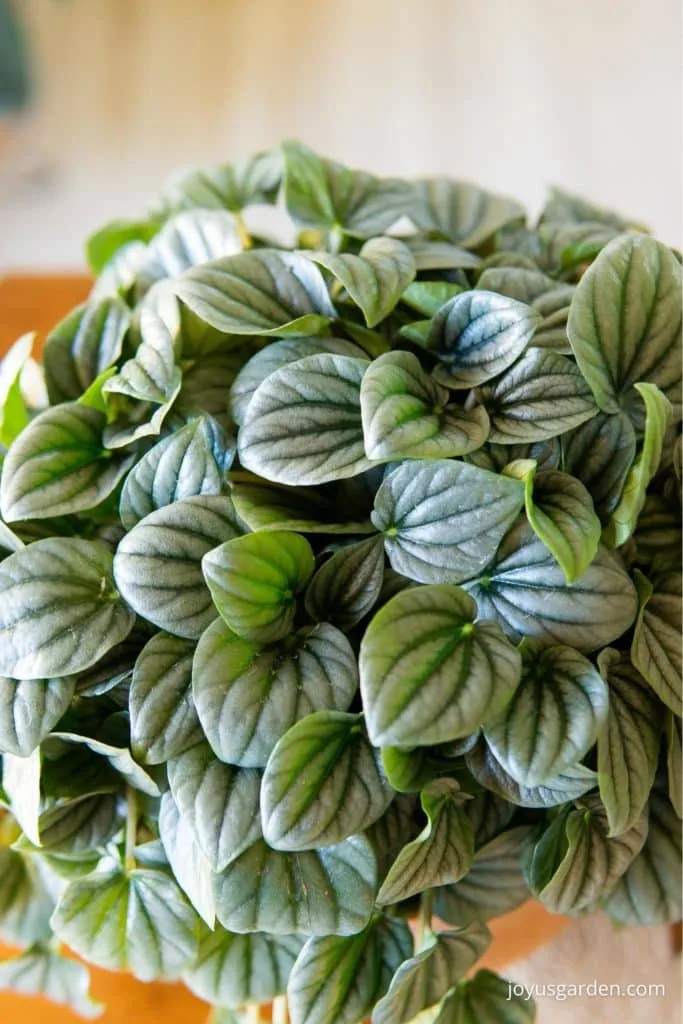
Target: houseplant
column 339, row 604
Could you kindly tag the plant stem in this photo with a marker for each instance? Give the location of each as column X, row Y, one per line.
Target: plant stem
column 280, row 1010
column 131, row 827
column 424, row 923
column 254, row 1014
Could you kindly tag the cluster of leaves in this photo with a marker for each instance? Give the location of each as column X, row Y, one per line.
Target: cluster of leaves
column 340, row 588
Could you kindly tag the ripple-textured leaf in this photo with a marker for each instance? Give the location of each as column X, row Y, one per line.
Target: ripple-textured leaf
column 29, row 710
column 376, row 278
column 82, row 346
column 346, row 586
column 656, row 647
column 462, row 212
column 163, row 719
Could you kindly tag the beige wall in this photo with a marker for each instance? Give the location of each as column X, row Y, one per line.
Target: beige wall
column 513, row 93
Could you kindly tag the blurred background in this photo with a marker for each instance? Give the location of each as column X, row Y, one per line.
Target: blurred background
column 100, row 99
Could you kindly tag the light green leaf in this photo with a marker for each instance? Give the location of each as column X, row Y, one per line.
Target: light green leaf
column 104, row 243
column 41, row 971
column 330, row 891
column 163, row 719
column 600, row 454
column 479, row 334
column 254, row 581
column 186, row 240
column 376, row 278
column 628, row 746
column 486, row 999
column 426, row 297
column 424, row 980
column 303, row 425
column 575, row 861
column 151, row 375
column 192, row 461
column 649, row 892
column 526, row 592
column 58, row 465
column 302, row 509
column 625, row 320
column 417, row 332
column 191, row 868
column 158, row 563
column 428, row 672
column 568, row 785
column 434, row 255
column 553, row 718
column 231, row 970
column 541, row 396
column 322, row 193
column 21, row 783
column 247, row 696
column 87, row 342
column 341, row 978
column 59, row 611
column 323, row 782
column 441, row 854
column 29, row 710
column 264, row 292
column 14, row 415
column 494, row 884
column 223, row 186
column 25, row 902
column 346, row 586
column 674, row 761
column 656, row 647
column 406, row 414
column 219, row 804
column 462, row 212
column 443, row 521
column 139, row 922
column 625, row 515
column 549, row 299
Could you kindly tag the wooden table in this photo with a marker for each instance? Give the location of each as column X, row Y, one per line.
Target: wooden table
column 37, row 302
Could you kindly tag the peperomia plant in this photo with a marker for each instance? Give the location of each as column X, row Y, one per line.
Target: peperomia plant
column 340, row 595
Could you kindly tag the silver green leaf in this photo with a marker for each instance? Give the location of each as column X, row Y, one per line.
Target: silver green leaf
column 190, row 462
column 494, row 884
column 550, row 300
column 119, row 757
column 340, row 978
column 264, row 292
column 29, row 710
column 58, row 465
column 158, row 564
column 74, row 829
column 223, row 186
column 422, row 982
column 479, row 334
column 190, row 867
column 219, row 804
column 553, row 718
column 151, row 375
column 625, row 320
column 600, row 454
column 25, row 901
column 406, row 414
column 207, row 382
column 330, row 891
column 486, row 999
column 137, row 921
column 303, row 425
column 163, row 719
column 628, row 746
column 656, row 647
column 542, row 395
column 462, row 212
column 40, row 971
column 186, row 240
column 59, row 611
column 443, row 851
column 247, row 696
column 345, row 587
column 376, row 278
column 303, row 509
column 443, row 520
column 526, row 592
column 431, row 254
column 576, row 862
column 232, row 970
column 82, row 346
column 428, row 672
column 570, row 784
column 21, row 783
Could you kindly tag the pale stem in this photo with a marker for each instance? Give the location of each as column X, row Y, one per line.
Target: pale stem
column 424, row 923
column 280, row 1010
column 131, row 827
column 254, row 1014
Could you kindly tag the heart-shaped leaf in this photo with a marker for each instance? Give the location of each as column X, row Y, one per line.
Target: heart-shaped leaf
column 376, row 278
column 553, row 718
column 441, row 854
column 479, row 334
column 347, row 585
column 262, row 292
column 59, row 611
column 544, row 394
column 656, row 648
column 600, row 454
column 428, row 672
column 219, row 804
column 158, row 564
column 21, row 783
column 190, row 867
column 223, row 186
column 525, row 590
column 406, row 414
column 247, row 696
column 104, row 243
column 82, row 346
column 628, row 746
column 443, row 521
column 340, row 978
column 59, row 465
column 570, row 784
column 303, row 425
column 625, row 320
column 548, row 298
column 188, row 239
column 323, row 782
column 330, row 891
column 462, row 212
column 29, row 710
column 151, row 375
column 163, row 719
column 254, row 581
column 40, row 971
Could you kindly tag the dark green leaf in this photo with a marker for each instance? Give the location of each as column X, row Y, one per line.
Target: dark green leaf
column 674, row 761
column 656, row 647
column 163, row 719
column 486, row 999
column 118, row 756
column 569, row 785
column 347, row 585
column 82, row 346
column 302, row 509
column 462, row 212
column 600, row 454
